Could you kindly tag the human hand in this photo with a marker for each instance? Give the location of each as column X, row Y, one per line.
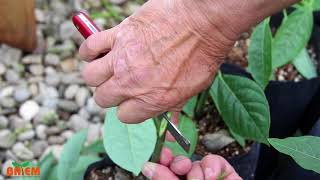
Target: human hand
column 211, row 167
column 159, row 57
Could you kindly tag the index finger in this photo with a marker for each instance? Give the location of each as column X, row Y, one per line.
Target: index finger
column 96, row 44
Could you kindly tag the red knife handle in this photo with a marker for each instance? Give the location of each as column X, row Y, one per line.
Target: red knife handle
column 84, row 24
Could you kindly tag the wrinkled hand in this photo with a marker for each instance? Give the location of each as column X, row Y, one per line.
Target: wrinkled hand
column 158, row 58
column 209, row 168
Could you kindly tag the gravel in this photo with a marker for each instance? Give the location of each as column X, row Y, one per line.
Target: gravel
column 21, row 94
column 28, row 110
column 22, row 152
column 7, row 138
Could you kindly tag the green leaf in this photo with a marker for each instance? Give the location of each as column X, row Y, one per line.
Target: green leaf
column 84, row 161
column 316, row 5
column 53, row 175
column 70, row 154
column 95, row 147
column 190, row 106
column 292, row 37
column 304, row 150
column 242, row 105
column 46, row 165
column 304, row 65
column 189, row 130
column 238, row 138
column 128, row 145
column 260, row 54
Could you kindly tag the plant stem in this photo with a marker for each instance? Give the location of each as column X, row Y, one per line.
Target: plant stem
column 161, row 135
column 201, row 103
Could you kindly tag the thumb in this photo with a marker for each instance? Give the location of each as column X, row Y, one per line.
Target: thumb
column 155, row 171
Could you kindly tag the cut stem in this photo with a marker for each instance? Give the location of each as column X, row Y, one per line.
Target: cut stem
column 161, row 127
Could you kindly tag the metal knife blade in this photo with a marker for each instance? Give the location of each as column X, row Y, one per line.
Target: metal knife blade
column 175, row 132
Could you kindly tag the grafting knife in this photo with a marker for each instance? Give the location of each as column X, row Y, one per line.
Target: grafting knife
column 87, row 27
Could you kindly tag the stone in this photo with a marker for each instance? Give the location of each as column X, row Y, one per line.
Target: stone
column 77, row 123
column 67, row 134
column 40, row 17
column 131, row 7
column 3, row 122
column 36, row 69
column 41, row 131
column 12, row 76
column 52, row 59
column 22, row 152
column 216, row 141
column 2, row 68
column 93, row 132
column 9, row 155
column 46, row 116
column 53, row 130
column 7, row 138
column 6, row 91
column 56, row 140
column 38, row 147
column 26, row 135
column 67, row 30
column 71, row 91
column 92, row 107
column 68, row 106
column 52, row 79
column 10, row 55
column 17, row 122
column 72, row 78
column 84, row 113
column 69, row 65
column 7, row 102
column 51, row 103
column 82, row 96
column 32, row 59
column 28, row 110
column 21, row 94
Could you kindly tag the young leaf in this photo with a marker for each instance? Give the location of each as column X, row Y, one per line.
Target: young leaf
column 190, row 106
column 304, row 150
column 95, row 147
column 304, row 65
column 46, row 165
column 70, row 154
column 238, row 138
column 292, row 36
column 316, row 5
column 260, row 56
column 53, row 174
column 84, row 161
column 189, row 130
column 242, row 105
column 128, row 145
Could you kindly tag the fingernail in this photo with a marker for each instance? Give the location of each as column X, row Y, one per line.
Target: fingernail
column 148, row 169
column 208, row 173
